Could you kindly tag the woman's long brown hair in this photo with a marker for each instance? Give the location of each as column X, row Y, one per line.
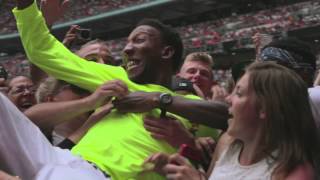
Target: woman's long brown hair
column 290, row 128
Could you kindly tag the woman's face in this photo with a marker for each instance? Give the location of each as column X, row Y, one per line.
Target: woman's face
column 244, row 122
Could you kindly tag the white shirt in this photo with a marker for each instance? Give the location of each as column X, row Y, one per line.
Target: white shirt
column 229, row 168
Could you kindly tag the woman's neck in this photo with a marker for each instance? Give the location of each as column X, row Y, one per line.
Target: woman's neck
column 251, row 151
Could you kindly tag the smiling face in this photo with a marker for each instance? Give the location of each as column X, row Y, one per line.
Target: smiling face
column 143, row 54
column 21, row 92
column 245, row 120
column 199, row 73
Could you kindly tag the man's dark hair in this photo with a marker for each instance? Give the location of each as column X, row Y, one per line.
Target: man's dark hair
column 170, row 37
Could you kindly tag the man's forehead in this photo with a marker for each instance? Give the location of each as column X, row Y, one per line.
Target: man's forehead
column 93, row 49
column 193, row 64
column 20, row 80
column 145, row 29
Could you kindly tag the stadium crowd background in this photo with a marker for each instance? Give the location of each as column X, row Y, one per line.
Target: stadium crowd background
column 206, row 36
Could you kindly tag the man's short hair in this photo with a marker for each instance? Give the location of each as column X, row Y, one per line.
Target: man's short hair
column 52, row 86
column 95, row 41
column 200, row 56
column 170, row 37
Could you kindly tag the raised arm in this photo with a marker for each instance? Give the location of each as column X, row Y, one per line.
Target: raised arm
column 53, row 10
column 50, row 55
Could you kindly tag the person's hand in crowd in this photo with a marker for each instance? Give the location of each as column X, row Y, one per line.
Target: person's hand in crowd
column 218, row 93
column 92, row 120
column 53, row 10
column 137, row 102
column 206, row 145
column 6, row 176
column 198, row 91
column 101, row 99
column 105, row 92
column 261, row 40
column 179, row 168
column 156, row 162
column 169, row 130
column 71, row 36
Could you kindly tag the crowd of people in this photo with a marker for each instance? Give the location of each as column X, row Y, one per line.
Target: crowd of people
column 78, row 9
column 204, row 34
column 238, row 27
column 80, row 114
column 85, row 8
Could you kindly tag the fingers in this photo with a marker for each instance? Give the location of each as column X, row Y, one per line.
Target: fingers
column 73, row 29
column 156, row 162
column 157, row 130
column 178, row 159
column 207, row 144
column 218, row 93
column 158, row 157
column 154, row 130
column 155, row 122
column 171, row 168
column 65, row 5
column 71, row 35
column 101, row 112
column 115, row 88
column 198, row 91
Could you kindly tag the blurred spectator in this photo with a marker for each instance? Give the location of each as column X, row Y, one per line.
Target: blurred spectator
column 197, row 69
column 78, row 9
column 21, row 92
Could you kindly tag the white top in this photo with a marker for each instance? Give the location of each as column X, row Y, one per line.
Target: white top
column 228, row 167
column 314, row 94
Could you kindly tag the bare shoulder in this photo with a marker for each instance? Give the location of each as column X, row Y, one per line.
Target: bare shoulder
column 223, row 143
column 304, row 171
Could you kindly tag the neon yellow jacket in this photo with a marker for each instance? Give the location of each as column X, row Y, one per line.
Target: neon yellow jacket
column 118, row 144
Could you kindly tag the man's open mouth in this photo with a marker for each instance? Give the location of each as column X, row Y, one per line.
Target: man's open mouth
column 26, row 105
column 133, row 63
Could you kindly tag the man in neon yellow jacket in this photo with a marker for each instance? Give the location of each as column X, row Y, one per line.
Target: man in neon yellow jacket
column 119, row 144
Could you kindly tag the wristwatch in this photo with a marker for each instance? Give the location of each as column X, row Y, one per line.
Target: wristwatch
column 165, row 99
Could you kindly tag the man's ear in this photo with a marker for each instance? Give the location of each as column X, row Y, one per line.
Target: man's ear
column 167, row 52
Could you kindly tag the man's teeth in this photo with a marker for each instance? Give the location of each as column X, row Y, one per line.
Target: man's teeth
column 27, row 105
column 132, row 63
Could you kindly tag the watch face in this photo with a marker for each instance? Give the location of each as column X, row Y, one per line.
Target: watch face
column 166, row 98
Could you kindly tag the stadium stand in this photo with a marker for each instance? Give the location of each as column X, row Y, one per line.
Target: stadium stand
column 203, row 36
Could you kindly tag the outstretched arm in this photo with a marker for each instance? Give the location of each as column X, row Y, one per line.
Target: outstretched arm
column 48, row 115
column 213, row 114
